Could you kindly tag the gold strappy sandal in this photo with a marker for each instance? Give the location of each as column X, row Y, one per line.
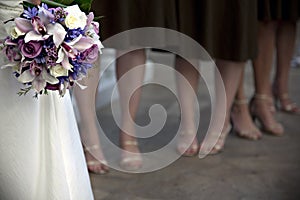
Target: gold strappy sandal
column 129, row 161
column 252, row 133
column 95, row 162
column 274, row 128
column 187, row 149
column 290, row 107
column 219, row 146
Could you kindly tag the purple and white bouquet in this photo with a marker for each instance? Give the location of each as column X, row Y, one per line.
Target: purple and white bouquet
column 51, row 48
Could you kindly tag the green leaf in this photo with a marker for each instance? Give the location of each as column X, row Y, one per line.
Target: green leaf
column 27, row 4
column 65, row 2
column 84, row 5
column 54, row 4
column 97, row 18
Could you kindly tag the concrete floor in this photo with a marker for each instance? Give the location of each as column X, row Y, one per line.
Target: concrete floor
column 246, row 170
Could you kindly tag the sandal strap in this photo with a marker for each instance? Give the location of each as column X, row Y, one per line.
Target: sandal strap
column 129, row 159
column 94, row 147
column 187, row 132
column 96, row 162
column 221, row 140
column 284, row 96
column 263, row 97
column 186, row 146
column 290, row 107
column 224, row 133
column 130, row 143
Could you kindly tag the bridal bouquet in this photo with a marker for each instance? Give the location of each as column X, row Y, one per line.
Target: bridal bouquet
column 51, row 48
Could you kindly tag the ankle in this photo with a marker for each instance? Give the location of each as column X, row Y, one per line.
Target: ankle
column 239, row 105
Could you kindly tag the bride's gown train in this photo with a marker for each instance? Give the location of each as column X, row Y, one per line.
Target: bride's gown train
column 41, row 156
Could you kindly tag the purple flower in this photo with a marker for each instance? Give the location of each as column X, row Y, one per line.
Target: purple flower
column 31, row 49
column 73, row 33
column 45, row 14
column 30, row 12
column 59, row 14
column 13, row 54
column 38, row 26
column 92, row 23
column 79, row 70
column 38, row 76
column 11, row 51
column 91, row 55
column 50, row 50
column 45, row 6
column 35, row 69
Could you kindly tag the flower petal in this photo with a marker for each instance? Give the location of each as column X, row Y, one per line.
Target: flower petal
column 39, row 83
column 79, row 85
column 65, row 63
column 63, row 59
column 90, row 18
column 32, row 35
column 26, row 77
column 58, row 32
column 74, row 41
column 60, row 55
column 10, row 64
column 83, row 44
column 45, row 15
column 48, row 78
column 23, row 25
column 100, row 46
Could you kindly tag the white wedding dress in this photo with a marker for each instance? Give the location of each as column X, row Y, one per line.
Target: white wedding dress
column 41, row 156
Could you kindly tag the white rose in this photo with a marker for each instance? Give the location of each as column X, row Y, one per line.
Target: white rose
column 15, row 32
column 75, row 17
column 58, row 70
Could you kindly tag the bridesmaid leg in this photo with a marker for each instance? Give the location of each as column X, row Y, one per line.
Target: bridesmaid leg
column 241, row 119
column 231, row 73
column 285, row 47
column 188, row 134
column 88, row 122
column 128, row 141
column 260, row 104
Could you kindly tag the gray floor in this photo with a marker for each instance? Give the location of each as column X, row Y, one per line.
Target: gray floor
column 266, row 169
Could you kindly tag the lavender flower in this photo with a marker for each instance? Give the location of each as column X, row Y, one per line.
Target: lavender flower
column 12, row 53
column 52, row 56
column 40, row 59
column 31, row 49
column 45, row 6
column 59, row 14
column 73, row 33
column 90, row 55
column 38, row 76
column 79, row 69
column 30, row 13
